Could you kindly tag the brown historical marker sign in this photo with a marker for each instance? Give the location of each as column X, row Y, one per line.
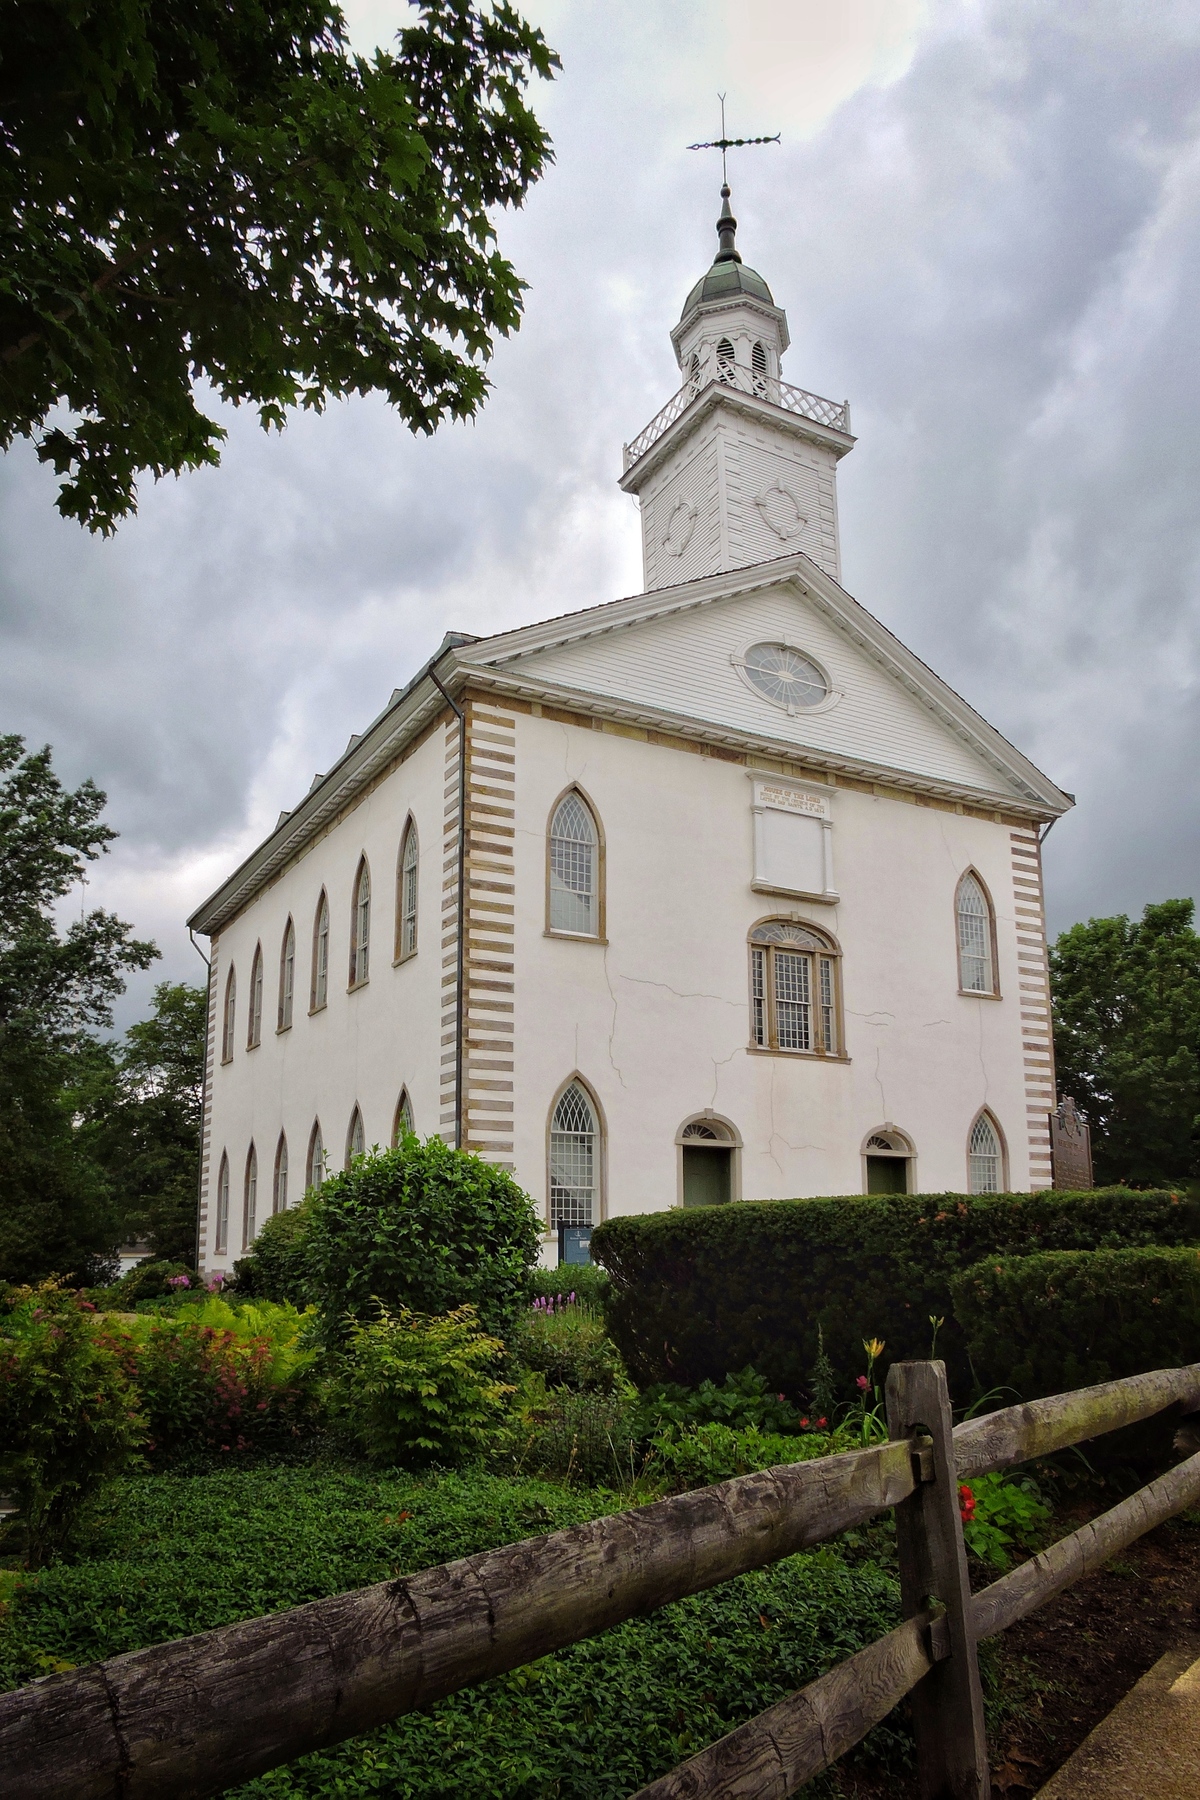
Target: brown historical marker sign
column 1070, row 1147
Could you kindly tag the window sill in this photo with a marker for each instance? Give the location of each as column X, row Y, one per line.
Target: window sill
column 225, row 1061
column 281, row 1029
column 812, row 1056
column 397, row 960
column 356, row 987
column 978, row 994
column 254, row 1045
column 829, row 898
column 575, row 937
column 314, row 1010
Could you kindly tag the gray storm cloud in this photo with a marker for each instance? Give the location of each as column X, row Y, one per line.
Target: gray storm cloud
column 995, row 255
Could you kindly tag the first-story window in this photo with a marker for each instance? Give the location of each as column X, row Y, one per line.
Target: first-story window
column 573, row 1159
column 314, row 1174
column 984, row 1160
column 250, row 1209
column 279, row 1195
column 403, row 1124
column 794, row 999
column 356, row 1138
column 221, row 1240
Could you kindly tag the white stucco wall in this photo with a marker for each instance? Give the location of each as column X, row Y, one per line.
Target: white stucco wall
column 366, row 1045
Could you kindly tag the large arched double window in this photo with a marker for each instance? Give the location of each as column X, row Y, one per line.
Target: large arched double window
column 795, row 992
column 360, row 926
column 319, row 989
column 407, row 868
column 250, row 1200
column 574, row 869
column 975, row 923
column 287, row 978
column 254, row 1013
column 575, row 1158
column 228, row 1016
column 985, row 1157
column 221, row 1234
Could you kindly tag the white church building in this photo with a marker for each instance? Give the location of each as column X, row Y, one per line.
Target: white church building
column 713, row 893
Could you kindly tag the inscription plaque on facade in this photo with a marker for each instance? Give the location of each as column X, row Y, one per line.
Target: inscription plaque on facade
column 1070, row 1147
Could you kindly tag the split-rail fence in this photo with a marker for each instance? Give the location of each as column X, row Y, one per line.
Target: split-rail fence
column 200, row 1714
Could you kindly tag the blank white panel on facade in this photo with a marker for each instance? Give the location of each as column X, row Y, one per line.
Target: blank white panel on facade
column 790, row 852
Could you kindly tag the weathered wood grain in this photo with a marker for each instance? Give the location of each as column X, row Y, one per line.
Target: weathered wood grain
column 771, row 1755
column 202, row 1713
column 947, row 1703
column 1032, row 1583
column 1019, row 1433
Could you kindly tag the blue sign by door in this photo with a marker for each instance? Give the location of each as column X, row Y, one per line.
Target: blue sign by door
column 574, row 1243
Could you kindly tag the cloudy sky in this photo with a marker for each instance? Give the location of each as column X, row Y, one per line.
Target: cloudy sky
column 984, row 222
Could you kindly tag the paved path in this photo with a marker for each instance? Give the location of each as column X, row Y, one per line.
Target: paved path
column 1148, row 1747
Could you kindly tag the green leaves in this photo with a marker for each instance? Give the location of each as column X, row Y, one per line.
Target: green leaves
column 1127, row 1039
column 416, row 1388
column 191, row 190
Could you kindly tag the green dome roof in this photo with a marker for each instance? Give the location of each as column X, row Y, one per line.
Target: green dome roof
column 725, row 280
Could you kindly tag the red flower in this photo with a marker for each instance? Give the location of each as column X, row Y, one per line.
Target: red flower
column 863, row 1383
column 966, row 1503
column 821, row 1422
column 804, row 1422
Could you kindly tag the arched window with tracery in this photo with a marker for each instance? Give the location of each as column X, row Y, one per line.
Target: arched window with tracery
column 726, row 370
column 758, row 365
column 228, row 1017
column 319, row 992
column 406, row 893
column 254, row 1019
column 287, row 978
column 795, row 994
column 976, row 929
column 402, row 1125
column 356, row 1137
column 360, row 927
column 985, row 1157
column 221, row 1236
column 250, row 1200
column 574, row 1159
column 280, row 1182
column 314, row 1173
column 574, row 869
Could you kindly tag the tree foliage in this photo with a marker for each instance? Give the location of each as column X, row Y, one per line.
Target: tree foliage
column 55, row 1210
column 1127, row 1039
column 219, row 191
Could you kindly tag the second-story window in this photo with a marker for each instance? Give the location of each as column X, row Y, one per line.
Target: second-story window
column 406, row 894
column 320, row 960
column 574, row 868
column 794, row 1000
column 227, row 1017
column 254, row 1021
column 976, row 937
column 360, row 927
column 287, row 978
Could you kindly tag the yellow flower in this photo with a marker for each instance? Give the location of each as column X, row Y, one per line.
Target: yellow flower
column 873, row 1347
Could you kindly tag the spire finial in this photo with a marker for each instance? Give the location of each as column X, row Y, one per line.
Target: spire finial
column 726, row 229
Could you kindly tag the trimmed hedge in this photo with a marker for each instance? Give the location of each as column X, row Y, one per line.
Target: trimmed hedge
column 1070, row 1318
column 706, row 1290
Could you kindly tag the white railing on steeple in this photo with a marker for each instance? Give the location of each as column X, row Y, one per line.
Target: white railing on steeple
column 746, row 381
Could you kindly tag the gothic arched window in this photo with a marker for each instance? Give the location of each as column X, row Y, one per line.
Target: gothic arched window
column 403, row 1123
column 221, row 1238
column 227, row 1017
column 406, row 893
column 725, row 362
column 574, row 1158
column 314, row 1173
column 356, row 1137
column 795, row 1002
column 287, row 978
column 985, row 1157
column 250, row 1202
column 254, row 1019
column 319, row 990
column 360, row 926
column 279, row 1186
column 575, row 898
column 976, row 927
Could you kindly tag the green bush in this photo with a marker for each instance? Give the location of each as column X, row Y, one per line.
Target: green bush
column 1000, row 1513
column 148, row 1280
column 1068, row 1319
column 419, row 1389
column 700, row 1291
column 697, row 1457
column 69, row 1415
column 582, row 1437
column 587, row 1281
column 421, row 1227
column 567, row 1344
column 744, row 1402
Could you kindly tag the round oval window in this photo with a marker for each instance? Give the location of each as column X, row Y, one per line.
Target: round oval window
column 785, row 677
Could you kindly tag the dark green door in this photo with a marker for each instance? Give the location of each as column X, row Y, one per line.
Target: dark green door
column 887, row 1174
column 707, row 1176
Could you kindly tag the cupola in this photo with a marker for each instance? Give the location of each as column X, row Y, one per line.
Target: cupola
column 730, row 319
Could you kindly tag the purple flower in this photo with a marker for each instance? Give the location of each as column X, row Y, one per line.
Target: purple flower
column 178, row 1281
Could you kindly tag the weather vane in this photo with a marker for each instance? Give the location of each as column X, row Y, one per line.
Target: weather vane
column 725, row 144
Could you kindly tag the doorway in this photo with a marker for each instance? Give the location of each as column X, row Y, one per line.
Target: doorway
column 888, row 1157
column 707, row 1168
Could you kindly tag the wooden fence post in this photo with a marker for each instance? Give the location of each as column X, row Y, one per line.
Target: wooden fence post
column 947, row 1703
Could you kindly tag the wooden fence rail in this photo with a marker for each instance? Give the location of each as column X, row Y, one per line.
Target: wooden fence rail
column 200, row 1714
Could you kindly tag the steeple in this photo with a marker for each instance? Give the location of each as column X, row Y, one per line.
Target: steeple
column 739, row 466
